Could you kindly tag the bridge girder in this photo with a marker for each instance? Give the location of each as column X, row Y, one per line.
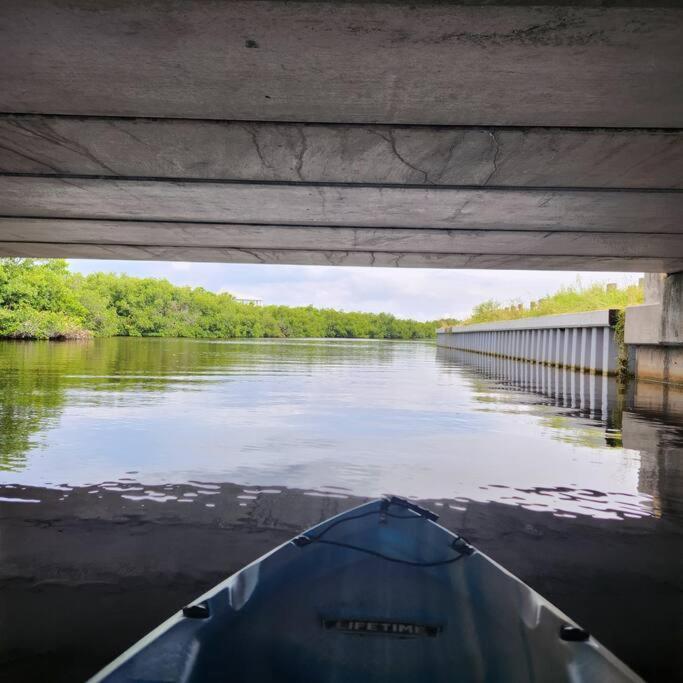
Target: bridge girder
column 454, row 135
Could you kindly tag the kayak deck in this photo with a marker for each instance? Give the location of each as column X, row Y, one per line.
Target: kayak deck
column 378, row 593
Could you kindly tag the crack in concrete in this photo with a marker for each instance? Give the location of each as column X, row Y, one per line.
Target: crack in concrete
column 449, row 156
column 323, row 200
column 391, row 141
column 565, row 29
column 253, row 254
column 336, row 258
column 127, row 132
column 354, row 238
column 494, row 160
column 257, row 145
column 302, row 152
column 55, row 138
column 457, row 213
column 397, row 260
column 28, row 157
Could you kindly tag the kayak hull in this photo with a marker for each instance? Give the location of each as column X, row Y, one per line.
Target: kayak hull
column 379, row 593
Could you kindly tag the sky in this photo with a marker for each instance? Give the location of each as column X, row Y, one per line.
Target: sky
column 421, row 294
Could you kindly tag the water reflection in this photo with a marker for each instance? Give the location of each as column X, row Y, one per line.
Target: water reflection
column 333, row 418
column 138, row 473
column 651, row 424
column 642, row 417
column 597, row 397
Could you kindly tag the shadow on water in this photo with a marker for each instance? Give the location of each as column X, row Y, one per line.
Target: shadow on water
column 91, row 563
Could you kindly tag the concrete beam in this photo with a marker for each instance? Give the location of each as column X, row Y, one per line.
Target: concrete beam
column 425, row 240
column 329, row 205
column 379, row 62
column 337, row 153
column 336, row 258
column 384, row 133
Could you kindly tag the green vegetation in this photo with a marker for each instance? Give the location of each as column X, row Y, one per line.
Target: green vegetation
column 572, row 299
column 44, row 300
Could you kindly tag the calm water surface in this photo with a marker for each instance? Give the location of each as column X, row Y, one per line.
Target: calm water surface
column 134, row 474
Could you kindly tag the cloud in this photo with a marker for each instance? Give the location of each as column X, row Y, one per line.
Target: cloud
column 424, row 294
column 180, row 265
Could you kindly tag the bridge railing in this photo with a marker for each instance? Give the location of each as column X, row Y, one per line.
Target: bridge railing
column 578, row 341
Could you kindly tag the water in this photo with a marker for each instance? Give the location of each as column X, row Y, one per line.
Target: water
column 136, row 473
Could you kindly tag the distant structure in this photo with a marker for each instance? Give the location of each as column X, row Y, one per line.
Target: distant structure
column 253, row 302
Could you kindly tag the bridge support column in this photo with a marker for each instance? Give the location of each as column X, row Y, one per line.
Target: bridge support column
column 654, row 331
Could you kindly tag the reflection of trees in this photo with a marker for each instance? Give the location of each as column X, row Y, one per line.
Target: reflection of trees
column 566, row 430
column 29, row 402
column 35, row 377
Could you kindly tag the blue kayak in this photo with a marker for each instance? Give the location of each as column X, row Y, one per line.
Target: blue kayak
column 378, row 593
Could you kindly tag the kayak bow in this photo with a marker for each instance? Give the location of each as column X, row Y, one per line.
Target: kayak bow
column 376, row 594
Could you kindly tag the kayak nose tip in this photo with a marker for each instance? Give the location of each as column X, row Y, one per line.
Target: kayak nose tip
column 386, row 501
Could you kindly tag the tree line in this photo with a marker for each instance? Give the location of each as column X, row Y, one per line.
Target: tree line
column 44, row 300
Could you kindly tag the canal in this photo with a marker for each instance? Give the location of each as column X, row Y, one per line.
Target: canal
column 137, row 473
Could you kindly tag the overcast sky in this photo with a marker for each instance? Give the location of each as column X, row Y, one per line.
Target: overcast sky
column 423, row 294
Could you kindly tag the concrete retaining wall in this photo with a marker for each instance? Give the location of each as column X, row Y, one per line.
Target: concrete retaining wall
column 581, row 341
column 654, row 331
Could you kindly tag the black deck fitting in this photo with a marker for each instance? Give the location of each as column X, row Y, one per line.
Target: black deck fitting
column 200, row 611
column 301, row 541
column 462, row 546
column 573, row 633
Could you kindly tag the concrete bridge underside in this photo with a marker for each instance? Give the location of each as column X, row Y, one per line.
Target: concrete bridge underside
column 387, row 133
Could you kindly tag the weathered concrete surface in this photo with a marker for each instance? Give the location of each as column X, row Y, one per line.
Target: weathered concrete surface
column 660, row 321
column 390, row 62
column 299, row 204
column 660, row 363
column 643, row 324
column 655, row 331
column 672, row 310
column 653, row 287
column 316, row 257
column 358, row 239
column 272, row 122
column 342, row 153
